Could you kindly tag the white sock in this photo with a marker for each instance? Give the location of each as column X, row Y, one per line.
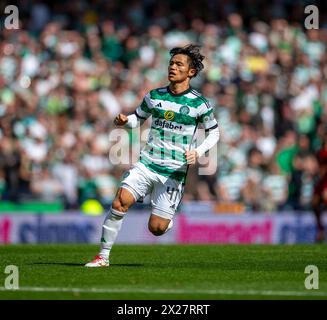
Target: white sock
column 110, row 229
column 170, row 225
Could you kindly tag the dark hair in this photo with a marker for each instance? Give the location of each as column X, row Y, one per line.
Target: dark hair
column 193, row 52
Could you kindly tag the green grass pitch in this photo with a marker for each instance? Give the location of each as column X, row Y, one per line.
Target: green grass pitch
column 165, row 272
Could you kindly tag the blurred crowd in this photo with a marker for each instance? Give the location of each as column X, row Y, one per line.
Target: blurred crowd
column 72, row 67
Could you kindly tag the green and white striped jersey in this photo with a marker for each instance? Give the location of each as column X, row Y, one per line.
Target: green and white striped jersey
column 175, row 118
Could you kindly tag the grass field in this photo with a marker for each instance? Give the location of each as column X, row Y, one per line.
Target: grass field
column 165, row 272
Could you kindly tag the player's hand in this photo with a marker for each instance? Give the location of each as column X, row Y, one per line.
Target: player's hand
column 191, row 156
column 120, row 120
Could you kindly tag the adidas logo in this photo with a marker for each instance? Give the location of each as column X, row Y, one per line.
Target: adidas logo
column 158, row 105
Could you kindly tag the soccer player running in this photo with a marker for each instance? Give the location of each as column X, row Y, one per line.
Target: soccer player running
column 177, row 110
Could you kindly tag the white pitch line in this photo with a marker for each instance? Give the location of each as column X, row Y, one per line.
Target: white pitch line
column 171, row 291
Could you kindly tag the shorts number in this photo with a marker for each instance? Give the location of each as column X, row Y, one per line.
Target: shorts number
column 173, row 193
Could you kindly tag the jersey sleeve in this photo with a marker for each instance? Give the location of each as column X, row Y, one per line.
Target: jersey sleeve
column 144, row 110
column 206, row 117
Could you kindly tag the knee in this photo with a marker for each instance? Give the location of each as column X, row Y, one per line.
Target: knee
column 119, row 204
column 157, row 229
column 123, row 200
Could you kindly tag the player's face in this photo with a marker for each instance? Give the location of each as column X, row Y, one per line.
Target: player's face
column 179, row 68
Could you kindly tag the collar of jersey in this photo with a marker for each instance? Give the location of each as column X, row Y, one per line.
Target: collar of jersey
column 179, row 94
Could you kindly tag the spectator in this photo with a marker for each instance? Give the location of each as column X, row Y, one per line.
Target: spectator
column 45, row 187
column 266, row 78
column 66, row 173
column 12, row 165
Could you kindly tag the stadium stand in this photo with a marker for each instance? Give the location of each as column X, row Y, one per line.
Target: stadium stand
column 70, row 69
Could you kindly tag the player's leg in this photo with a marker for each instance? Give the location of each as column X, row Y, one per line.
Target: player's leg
column 134, row 185
column 111, row 226
column 159, row 225
column 123, row 201
column 165, row 199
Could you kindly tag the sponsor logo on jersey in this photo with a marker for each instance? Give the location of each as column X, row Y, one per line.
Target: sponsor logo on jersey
column 169, row 115
column 184, row 110
column 158, row 105
column 167, row 124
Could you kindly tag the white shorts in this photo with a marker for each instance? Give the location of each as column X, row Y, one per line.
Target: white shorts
column 166, row 193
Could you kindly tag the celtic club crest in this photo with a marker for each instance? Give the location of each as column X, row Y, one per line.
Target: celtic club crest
column 184, row 110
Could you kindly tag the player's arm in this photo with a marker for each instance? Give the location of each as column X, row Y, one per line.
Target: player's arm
column 136, row 119
column 210, row 124
column 206, row 145
column 130, row 121
column 210, row 141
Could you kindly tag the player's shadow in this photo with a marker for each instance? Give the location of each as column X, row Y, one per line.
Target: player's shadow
column 79, row 264
column 127, row 265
